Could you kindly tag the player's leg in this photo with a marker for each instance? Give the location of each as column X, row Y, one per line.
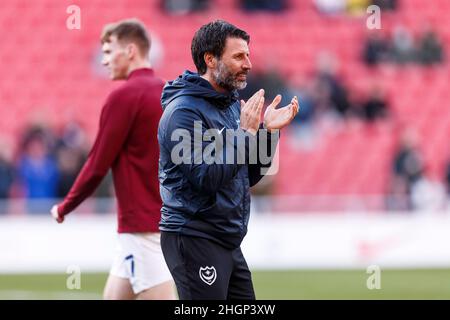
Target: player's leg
column 241, row 285
column 200, row 267
column 163, row 291
column 118, row 288
column 151, row 278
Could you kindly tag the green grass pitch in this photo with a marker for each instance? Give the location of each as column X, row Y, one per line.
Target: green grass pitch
column 291, row 285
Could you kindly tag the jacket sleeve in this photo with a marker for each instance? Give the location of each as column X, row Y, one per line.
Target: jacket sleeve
column 267, row 145
column 115, row 124
column 184, row 139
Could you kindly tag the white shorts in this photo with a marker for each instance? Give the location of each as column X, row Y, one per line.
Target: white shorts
column 139, row 258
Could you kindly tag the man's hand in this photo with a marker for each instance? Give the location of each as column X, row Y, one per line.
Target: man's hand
column 56, row 215
column 279, row 118
column 251, row 112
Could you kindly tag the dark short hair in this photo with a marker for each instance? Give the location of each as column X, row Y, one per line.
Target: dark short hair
column 131, row 30
column 211, row 38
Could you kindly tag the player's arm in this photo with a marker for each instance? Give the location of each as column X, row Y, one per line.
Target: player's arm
column 115, row 123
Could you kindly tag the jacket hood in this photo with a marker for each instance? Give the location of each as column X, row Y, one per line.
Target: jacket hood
column 191, row 84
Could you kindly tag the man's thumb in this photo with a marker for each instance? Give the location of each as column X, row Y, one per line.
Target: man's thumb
column 275, row 101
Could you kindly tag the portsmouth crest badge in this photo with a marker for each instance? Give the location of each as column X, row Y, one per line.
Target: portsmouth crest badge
column 208, row 274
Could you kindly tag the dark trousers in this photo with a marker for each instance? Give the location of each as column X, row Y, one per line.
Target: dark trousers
column 205, row 270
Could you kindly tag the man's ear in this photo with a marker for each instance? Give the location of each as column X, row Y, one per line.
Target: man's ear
column 210, row 60
column 131, row 50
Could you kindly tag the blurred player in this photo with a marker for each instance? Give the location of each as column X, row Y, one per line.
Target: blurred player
column 127, row 143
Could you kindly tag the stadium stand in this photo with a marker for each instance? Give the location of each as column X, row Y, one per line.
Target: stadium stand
column 51, row 72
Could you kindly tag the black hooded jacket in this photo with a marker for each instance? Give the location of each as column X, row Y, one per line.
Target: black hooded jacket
column 201, row 198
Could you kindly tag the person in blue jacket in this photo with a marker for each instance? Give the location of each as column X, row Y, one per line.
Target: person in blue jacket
column 213, row 148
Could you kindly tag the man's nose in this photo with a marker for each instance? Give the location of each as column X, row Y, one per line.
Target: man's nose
column 247, row 64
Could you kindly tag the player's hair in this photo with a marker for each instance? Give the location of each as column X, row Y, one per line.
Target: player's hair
column 130, row 30
column 211, row 38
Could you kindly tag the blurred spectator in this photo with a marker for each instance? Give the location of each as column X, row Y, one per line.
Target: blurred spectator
column 70, row 155
column 267, row 5
column 6, row 177
column 272, row 83
column 330, row 6
column 70, row 162
column 376, row 49
column 408, row 162
column 303, row 89
column 407, row 167
column 386, row 4
column 181, row 7
column 376, row 105
column 429, row 49
column 427, row 195
column 37, row 170
column 72, row 136
column 47, row 166
column 6, row 174
column 357, row 7
column 397, row 198
column 329, row 83
column 304, row 136
column 402, row 50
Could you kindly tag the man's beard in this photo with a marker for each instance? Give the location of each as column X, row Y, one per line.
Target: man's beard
column 226, row 79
